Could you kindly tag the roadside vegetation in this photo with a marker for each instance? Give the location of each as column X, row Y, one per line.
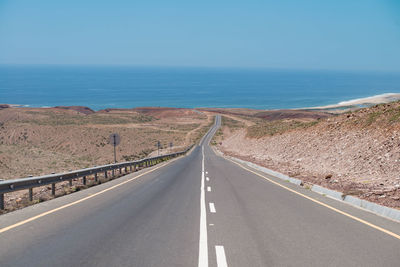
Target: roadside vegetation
column 196, row 137
column 38, row 141
column 352, row 151
column 53, row 118
column 232, row 124
column 227, row 124
column 270, row 128
column 382, row 114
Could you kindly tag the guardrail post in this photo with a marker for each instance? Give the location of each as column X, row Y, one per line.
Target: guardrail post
column 131, row 166
column 1, row 201
column 30, row 194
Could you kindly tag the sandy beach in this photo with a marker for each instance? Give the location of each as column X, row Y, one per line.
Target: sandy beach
column 360, row 102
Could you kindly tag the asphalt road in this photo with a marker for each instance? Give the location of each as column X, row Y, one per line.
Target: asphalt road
column 198, row 210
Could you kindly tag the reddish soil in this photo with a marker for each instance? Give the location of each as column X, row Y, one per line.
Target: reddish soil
column 162, row 112
column 38, row 141
column 271, row 115
column 3, row 106
column 291, row 114
column 84, row 110
column 356, row 153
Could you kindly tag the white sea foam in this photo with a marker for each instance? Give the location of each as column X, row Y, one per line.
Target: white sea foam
column 376, row 99
column 365, row 101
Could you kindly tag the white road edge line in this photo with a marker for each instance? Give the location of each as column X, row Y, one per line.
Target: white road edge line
column 209, row 188
column 221, row 259
column 203, row 247
column 212, row 208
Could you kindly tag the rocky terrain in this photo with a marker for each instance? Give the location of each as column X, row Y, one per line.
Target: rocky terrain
column 37, row 141
column 356, row 152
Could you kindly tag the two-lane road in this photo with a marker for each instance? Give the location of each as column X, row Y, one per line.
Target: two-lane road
column 199, row 210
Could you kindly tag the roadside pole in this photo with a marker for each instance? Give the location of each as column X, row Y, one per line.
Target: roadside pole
column 115, row 140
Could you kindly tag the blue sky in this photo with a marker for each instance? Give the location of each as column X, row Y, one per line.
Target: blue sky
column 291, row 34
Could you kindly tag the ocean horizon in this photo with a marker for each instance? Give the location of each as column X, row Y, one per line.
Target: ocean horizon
column 101, row 87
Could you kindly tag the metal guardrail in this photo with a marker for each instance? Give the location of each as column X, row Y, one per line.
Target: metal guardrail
column 7, row 186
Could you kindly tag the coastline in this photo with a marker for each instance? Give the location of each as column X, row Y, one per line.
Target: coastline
column 358, row 102
column 305, row 144
column 340, row 107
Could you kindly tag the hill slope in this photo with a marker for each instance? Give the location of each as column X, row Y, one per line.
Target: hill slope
column 357, row 152
column 36, row 141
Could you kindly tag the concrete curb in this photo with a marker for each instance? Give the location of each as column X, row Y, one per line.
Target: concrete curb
column 391, row 213
column 383, row 211
column 270, row 172
column 328, row 192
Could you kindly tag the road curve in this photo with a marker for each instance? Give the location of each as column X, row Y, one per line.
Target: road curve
column 198, row 210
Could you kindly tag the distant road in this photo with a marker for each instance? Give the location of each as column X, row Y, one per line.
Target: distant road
column 199, row 210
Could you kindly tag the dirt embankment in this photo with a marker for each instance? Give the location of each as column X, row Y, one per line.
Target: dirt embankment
column 37, row 141
column 357, row 153
column 83, row 110
column 3, row 106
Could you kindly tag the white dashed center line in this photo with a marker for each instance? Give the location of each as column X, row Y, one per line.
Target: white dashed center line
column 208, row 179
column 203, row 248
column 209, row 188
column 221, row 259
column 212, row 208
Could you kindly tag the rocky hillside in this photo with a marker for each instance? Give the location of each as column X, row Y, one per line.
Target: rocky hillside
column 356, row 152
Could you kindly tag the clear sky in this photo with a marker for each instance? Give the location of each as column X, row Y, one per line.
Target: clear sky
column 294, row 34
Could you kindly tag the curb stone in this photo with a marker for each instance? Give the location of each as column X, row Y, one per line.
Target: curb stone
column 270, row 172
column 325, row 191
column 387, row 212
column 373, row 207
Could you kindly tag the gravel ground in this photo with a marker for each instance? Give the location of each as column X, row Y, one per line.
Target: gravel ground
column 349, row 153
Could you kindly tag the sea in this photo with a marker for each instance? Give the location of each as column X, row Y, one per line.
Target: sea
column 101, row 87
